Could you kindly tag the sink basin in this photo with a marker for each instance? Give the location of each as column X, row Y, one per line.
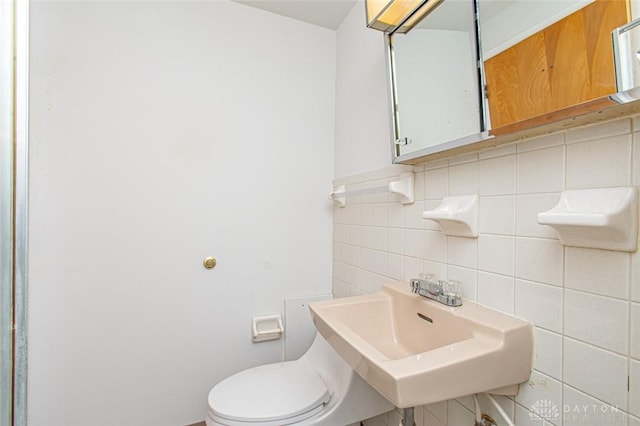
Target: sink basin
column 415, row 351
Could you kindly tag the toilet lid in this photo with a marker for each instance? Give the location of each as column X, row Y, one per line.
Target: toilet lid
column 269, row 392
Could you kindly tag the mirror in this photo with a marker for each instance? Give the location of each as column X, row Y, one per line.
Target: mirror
column 434, row 76
column 538, row 63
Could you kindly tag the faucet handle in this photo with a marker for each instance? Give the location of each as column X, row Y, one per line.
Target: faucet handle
column 425, row 284
column 427, row 276
column 451, row 287
column 415, row 285
column 452, row 292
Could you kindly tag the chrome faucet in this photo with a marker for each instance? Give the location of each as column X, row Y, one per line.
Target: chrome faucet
column 445, row 292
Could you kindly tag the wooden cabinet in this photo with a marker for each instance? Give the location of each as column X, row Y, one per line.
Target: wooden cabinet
column 563, row 66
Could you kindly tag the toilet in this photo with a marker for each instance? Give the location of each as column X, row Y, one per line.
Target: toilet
column 318, row 389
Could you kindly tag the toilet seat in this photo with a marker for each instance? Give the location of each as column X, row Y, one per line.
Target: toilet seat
column 274, row 394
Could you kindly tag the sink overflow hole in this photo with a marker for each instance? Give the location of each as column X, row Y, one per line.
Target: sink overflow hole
column 424, row 317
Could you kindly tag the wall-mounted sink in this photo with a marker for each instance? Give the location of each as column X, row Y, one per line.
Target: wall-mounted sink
column 415, row 351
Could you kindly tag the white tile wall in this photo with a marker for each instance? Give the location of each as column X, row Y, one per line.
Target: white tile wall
column 458, row 414
column 548, row 353
column 395, row 240
column 412, row 267
column 540, row 170
column 497, row 176
column 497, row 215
column 419, row 188
column 598, row 320
column 635, row 330
column 500, row 151
column 463, row 158
column 436, row 183
column 598, row 163
column 468, row 278
column 431, row 420
column 413, row 242
column 581, row 409
column 463, row 179
column 599, row 131
column 396, row 215
column 467, row 402
column 496, row 254
column 635, row 160
column 496, row 291
column 462, row 251
column 546, row 141
column 438, row 410
column 634, row 391
column 435, row 246
column 413, row 215
column 539, row 260
column 541, row 304
column 584, row 303
column 528, row 207
column 635, row 277
column 582, row 363
column 598, row 271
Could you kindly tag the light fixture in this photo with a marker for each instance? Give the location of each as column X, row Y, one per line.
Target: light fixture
column 397, row 16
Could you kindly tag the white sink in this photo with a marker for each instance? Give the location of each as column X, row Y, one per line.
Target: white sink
column 416, row 351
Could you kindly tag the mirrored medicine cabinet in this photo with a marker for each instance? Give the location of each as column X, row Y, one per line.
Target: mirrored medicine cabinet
column 489, row 71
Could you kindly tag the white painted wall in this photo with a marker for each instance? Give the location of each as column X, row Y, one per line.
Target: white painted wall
column 161, row 133
column 635, row 9
column 362, row 117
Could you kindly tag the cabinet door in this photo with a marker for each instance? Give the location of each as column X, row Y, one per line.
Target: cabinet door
column 565, row 64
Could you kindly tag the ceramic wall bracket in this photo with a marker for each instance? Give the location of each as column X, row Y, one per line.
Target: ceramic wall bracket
column 339, row 196
column 457, row 216
column 402, row 185
column 605, row 218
